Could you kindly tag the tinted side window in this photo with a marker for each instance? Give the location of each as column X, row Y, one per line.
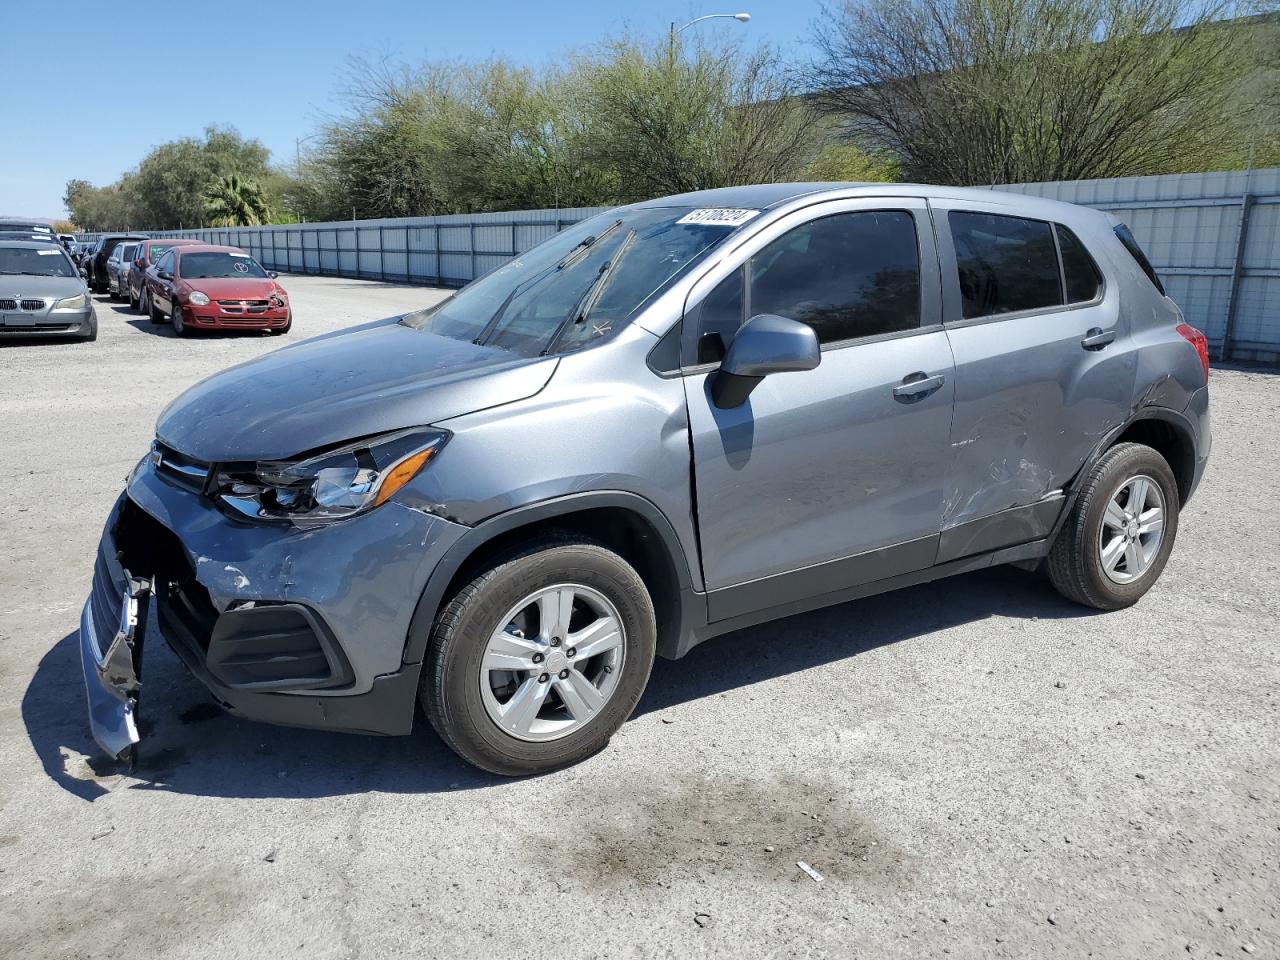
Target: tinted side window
column 848, row 275
column 165, row 264
column 1084, row 283
column 1005, row 264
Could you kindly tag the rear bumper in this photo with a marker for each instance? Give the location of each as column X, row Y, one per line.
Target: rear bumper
column 298, row 627
column 1197, row 412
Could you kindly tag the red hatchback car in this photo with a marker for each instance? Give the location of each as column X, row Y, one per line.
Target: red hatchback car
column 203, row 287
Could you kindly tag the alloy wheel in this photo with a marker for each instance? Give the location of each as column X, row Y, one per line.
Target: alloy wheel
column 1132, row 529
column 553, row 662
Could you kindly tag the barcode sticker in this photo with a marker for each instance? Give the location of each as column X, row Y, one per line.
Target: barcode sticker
column 719, row 216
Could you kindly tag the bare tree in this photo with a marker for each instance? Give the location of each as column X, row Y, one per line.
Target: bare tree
column 1007, row 91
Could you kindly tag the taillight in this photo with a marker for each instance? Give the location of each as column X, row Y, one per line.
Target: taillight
column 1200, row 342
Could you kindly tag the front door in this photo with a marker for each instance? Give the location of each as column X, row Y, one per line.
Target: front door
column 834, row 476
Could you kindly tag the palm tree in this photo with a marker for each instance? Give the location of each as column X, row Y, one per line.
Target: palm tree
column 235, row 202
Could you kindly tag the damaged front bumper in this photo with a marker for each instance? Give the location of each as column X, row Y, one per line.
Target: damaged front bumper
column 111, row 653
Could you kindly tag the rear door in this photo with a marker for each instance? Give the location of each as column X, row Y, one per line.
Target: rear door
column 834, row 476
column 1042, row 371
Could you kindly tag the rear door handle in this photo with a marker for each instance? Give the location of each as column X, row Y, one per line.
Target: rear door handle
column 1097, row 338
column 917, row 385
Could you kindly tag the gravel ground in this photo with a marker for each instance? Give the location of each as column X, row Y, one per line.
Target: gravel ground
column 974, row 767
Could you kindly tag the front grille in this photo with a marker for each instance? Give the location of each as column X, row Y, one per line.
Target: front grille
column 7, row 304
column 244, row 306
column 32, row 304
column 179, row 469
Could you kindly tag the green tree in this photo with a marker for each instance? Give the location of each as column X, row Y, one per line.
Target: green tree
column 846, row 163
column 660, row 119
column 233, row 201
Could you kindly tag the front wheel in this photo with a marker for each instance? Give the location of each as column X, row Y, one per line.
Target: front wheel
column 1120, row 532
column 179, row 325
column 538, row 660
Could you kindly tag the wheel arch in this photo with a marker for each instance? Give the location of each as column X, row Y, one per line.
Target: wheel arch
column 1166, row 432
column 626, row 523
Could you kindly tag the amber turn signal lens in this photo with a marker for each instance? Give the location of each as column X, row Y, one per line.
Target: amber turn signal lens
column 402, row 473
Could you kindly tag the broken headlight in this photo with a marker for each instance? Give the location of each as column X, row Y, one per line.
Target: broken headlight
column 332, row 485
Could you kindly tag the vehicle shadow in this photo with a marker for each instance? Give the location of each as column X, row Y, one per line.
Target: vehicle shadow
column 190, row 746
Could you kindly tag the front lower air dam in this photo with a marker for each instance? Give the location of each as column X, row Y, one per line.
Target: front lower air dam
column 113, row 663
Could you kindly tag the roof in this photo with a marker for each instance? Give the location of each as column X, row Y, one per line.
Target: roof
column 765, row 196
column 174, row 241
column 31, row 244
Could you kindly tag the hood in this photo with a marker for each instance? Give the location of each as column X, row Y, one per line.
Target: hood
column 233, row 288
column 17, row 287
column 352, row 384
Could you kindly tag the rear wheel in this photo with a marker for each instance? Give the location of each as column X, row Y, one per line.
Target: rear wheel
column 538, row 660
column 133, row 301
column 1120, row 532
column 150, row 309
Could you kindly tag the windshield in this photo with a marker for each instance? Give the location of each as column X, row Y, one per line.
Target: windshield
column 583, row 282
column 213, row 266
column 47, row 261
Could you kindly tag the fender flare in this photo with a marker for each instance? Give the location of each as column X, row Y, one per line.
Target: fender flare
column 432, row 598
column 1177, row 419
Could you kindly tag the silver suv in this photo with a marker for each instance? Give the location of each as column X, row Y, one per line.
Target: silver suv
column 668, row 422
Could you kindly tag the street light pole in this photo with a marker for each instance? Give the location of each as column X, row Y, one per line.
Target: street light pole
column 671, row 40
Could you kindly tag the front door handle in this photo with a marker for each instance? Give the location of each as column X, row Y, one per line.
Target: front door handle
column 1097, row 338
column 916, row 385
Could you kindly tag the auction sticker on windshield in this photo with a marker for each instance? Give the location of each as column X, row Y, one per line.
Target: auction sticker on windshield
column 718, row 216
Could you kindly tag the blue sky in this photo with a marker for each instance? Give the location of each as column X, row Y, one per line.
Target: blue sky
column 269, row 68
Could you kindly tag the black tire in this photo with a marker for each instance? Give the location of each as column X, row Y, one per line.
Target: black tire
column 1075, row 565
column 134, row 303
column 180, row 327
column 150, row 308
column 450, row 693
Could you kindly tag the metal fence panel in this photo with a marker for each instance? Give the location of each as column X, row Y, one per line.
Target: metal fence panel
column 1214, row 238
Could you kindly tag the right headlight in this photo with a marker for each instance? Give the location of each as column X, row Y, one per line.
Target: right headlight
column 332, row 485
column 78, row 302
column 198, row 298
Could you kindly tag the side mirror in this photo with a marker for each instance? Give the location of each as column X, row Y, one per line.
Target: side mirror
column 765, row 344
column 272, row 274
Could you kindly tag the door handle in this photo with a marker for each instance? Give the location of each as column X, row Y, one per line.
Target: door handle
column 1097, row 338
column 917, row 385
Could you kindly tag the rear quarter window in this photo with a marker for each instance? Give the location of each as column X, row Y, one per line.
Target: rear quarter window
column 1130, row 243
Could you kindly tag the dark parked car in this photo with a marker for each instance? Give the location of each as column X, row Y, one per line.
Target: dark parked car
column 96, row 263
column 28, row 226
column 668, row 422
column 206, row 287
column 145, row 254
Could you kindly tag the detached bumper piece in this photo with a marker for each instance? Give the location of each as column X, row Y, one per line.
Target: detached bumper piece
column 113, row 626
column 258, row 659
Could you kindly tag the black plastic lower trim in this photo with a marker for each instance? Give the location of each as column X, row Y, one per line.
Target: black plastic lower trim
column 785, row 588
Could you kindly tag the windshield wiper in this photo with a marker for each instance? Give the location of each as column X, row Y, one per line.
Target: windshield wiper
column 28, row 273
column 580, row 251
column 586, row 303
